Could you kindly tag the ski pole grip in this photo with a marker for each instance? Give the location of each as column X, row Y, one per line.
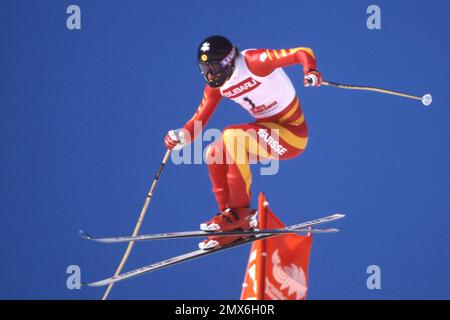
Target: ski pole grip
column 163, row 163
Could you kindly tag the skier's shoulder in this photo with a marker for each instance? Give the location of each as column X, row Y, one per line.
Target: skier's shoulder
column 250, row 56
column 256, row 61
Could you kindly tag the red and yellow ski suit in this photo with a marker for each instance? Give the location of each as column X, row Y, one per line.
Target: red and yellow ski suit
column 259, row 85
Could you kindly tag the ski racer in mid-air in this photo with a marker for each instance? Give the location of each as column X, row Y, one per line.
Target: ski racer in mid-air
column 254, row 79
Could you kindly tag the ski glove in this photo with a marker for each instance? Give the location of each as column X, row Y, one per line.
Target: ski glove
column 174, row 140
column 312, row 78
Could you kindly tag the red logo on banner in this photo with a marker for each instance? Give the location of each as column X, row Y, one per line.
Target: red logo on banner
column 278, row 267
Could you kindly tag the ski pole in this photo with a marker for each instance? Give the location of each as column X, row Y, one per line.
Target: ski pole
column 139, row 222
column 426, row 99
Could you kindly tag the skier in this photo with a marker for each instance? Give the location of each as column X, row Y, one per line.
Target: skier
column 254, row 79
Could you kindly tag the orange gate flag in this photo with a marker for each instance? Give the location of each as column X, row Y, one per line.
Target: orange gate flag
column 277, row 268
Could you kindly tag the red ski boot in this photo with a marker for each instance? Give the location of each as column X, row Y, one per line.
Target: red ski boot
column 228, row 220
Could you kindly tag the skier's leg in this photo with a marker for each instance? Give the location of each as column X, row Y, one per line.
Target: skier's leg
column 241, row 145
column 218, row 170
column 242, row 148
column 230, row 171
column 224, row 172
column 248, row 143
column 230, row 217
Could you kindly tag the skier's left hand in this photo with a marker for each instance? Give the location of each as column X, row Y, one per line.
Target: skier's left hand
column 312, row 78
column 174, row 140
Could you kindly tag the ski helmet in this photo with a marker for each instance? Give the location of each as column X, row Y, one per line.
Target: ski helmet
column 216, row 56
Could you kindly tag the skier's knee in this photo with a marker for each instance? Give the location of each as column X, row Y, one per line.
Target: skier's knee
column 227, row 134
column 231, row 135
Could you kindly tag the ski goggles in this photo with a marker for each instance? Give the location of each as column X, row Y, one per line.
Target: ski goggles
column 212, row 67
column 217, row 66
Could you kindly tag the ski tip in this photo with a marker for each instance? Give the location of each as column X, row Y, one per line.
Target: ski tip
column 88, row 284
column 339, row 215
column 84, row 235
column 319, row 231
column 91, row 285
column 100, row 283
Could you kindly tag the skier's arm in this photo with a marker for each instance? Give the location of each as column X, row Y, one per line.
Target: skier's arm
column 263, row 62
column 211, row 98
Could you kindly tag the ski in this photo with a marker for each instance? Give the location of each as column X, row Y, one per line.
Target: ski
column 201, row 253
column 193, row 234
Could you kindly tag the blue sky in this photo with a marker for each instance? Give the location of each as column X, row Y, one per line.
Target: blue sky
column 83, row 114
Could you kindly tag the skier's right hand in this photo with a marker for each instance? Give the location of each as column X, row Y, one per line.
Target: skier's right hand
column 174, row 139
column 313, row 78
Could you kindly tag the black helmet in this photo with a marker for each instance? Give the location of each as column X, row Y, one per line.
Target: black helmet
column 216, row 56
